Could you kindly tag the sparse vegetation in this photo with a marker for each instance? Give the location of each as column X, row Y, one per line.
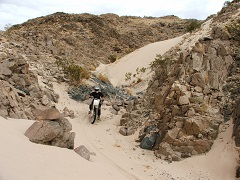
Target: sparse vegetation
column 128, row 76
column 7, row 26
column 103, row 78
column 74, row 72
column 141, row 70
column 234, row 30
column 112, row 58
column 194, row 24
column 159, row 65
column 159, row 62
column 226, row 3
column 139, row 80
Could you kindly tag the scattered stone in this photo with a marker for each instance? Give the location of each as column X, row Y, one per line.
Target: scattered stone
column 126, row 131
column 83, row 152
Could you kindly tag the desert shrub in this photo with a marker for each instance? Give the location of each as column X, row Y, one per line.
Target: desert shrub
column 7, row 26
column 91, row 67
column 159, row 62
column 112, row 58
column 139, row 80
column 226, row 3
column 141, row 70
column 128, row 76
column 234, row 30
column 160, row 66
column 194, row 24
column 103, row 78
column 74, row 72
column 129, row 91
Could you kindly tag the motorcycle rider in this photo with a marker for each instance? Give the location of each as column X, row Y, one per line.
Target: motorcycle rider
column 96, row 94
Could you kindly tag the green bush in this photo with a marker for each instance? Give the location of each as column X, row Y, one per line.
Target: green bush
column 159, row 65
column 159, row 62
column 74, row 72
column 194, row 24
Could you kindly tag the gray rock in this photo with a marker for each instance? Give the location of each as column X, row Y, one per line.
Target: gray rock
column 148, row 141
column 116, row 107
column 83, row 152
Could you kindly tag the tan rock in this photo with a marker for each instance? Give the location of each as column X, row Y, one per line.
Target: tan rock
column 48, row 114
column 183, row 100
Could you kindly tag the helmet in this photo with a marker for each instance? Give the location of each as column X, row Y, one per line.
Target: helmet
column 96, row 88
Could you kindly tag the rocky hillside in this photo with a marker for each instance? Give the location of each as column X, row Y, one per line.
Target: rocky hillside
column 35, row 50
column 88, row 39
column 195, row 91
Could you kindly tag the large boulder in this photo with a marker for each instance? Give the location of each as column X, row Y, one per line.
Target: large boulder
column 55, row 133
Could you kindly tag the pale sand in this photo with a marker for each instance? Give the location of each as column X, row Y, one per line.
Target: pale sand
column 140, row 58
column 117, row 156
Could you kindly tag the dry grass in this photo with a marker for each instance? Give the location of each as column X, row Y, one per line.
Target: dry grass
column 103, row 78
column 91, row 67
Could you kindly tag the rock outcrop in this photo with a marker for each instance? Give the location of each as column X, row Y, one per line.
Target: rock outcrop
column 21, row 92
column 191, row 101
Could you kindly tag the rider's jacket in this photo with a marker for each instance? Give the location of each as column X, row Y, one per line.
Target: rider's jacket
column 97, row 95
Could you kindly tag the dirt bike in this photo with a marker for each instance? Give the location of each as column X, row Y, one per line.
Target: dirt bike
column 96, row 106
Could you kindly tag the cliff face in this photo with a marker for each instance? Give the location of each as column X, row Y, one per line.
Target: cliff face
column 198, row 91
